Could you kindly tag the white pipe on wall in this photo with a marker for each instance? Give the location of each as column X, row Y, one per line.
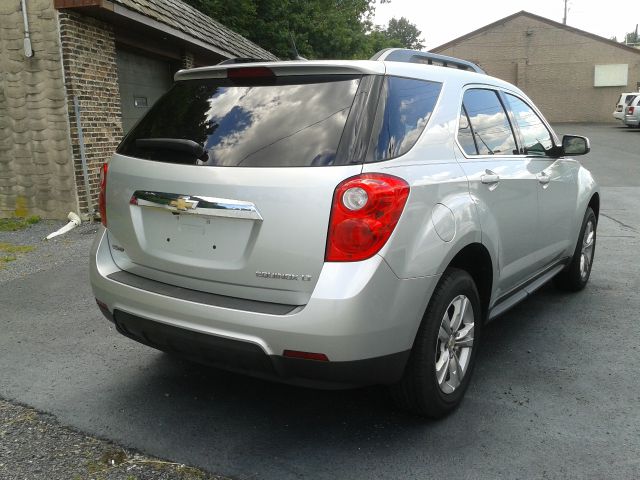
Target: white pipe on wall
column 28, row 51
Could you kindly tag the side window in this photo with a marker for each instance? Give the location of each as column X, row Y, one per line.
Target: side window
column 490, row 126
column 465, row 135
column 406, row 107
column 535, row 136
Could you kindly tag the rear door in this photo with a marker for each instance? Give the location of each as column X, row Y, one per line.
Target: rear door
column 504, row 183
column 226, row 186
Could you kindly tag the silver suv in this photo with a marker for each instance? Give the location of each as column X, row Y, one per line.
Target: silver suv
column 339, row 223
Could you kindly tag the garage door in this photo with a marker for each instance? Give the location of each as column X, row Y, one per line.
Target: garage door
column 142, row 80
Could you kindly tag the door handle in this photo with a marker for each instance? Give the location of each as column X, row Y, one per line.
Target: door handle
column 543, row 178
column 490, row 178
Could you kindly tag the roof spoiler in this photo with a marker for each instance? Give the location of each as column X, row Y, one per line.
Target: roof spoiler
column 230, row 61
column 416, row 56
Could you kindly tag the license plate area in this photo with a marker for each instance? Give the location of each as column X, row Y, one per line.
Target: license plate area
column 198, row 240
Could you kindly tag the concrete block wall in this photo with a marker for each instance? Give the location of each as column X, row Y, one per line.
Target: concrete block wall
column 36, row 166
column 91, row 74
column 552, row 65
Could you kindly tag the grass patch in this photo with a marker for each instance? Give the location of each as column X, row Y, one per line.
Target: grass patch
column 10, row 252
column 17, row 223
column 11, row 249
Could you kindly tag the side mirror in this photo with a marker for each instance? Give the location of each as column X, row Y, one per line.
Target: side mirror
column 575, row 145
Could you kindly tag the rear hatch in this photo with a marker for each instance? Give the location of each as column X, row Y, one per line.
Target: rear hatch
column 226, row 185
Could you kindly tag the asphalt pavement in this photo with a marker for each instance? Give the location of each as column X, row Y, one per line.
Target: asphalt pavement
column 556, row 391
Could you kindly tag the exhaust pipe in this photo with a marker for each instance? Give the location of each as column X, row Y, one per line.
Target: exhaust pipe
column 74, row 221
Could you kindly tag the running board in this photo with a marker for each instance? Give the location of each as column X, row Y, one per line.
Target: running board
column 512, row 300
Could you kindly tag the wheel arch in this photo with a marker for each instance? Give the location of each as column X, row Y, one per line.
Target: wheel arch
column 475, row 259
column 594, row 203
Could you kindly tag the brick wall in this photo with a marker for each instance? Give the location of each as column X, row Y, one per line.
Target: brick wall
column 36, row 168
column 553, row 66
column 89, row 56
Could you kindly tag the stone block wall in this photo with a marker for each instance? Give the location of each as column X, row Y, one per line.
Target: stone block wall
column 89, row 55
column 36, row 166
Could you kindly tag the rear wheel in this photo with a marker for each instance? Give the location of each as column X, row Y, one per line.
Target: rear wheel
column 576, row 275
column 444, row 351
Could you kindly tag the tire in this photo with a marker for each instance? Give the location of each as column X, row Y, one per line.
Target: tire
column 576, row 275
column 437, row 355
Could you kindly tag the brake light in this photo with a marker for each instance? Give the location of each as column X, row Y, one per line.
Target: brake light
column 102, row 196
column 630, row 110
column 364, row 213
column 249, row 72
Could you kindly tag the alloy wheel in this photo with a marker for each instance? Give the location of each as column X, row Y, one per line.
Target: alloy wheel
column 586, row 255
column 454, row 345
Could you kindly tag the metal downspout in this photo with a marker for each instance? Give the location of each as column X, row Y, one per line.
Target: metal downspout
column 28, row 51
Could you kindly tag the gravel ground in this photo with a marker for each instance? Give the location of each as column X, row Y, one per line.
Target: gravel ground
column 34, row 445
column 47, row 254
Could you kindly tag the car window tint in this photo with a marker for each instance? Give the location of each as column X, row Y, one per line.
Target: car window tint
column 465, row 135
column 489, row 123
column 535, row 136
column 282, row 122
column 406, row 107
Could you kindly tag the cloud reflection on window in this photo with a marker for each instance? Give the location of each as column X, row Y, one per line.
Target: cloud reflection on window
column 491, row 129
column 298, row 124
column 292, row 123
column 407, row 107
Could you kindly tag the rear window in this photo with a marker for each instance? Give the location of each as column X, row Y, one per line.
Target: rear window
column 290, row 122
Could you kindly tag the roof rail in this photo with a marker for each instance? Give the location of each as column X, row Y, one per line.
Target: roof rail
column 416, row 56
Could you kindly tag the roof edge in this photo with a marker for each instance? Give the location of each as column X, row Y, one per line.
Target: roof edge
column 119, row 10
column 535, row 17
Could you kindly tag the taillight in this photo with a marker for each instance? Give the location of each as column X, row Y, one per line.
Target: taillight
column 102, row 197
column 365, row 210
column 630, row 110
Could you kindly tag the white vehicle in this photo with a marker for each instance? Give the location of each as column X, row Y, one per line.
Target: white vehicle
column 340, row 223
column 622, row 103
column 632, row 113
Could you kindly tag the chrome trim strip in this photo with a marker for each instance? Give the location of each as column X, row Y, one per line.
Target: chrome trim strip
column 196, row 205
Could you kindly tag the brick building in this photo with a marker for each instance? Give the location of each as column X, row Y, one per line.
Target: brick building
column 570, row 74
column 113, row 58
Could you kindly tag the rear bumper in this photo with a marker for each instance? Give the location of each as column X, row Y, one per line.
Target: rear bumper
column 631, row 120
column 247, row 358
column 360, row 315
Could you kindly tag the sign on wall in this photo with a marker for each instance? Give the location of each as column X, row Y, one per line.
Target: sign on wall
column 612, row 75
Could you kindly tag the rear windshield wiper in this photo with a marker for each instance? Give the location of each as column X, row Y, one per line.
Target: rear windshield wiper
column 176, row 144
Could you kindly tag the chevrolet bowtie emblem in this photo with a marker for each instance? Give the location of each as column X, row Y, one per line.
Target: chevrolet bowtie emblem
column 182, row 204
